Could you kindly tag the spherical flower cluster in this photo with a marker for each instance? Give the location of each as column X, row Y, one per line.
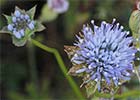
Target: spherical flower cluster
column 20, row 21
column 59, row 6
column 106, row 54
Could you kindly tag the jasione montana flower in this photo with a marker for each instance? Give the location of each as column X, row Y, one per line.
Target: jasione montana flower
column 20, row 22
column 105, row 54
column 59, row 6
column 21, row 25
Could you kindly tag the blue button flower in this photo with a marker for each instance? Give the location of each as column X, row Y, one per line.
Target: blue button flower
column 104, row 53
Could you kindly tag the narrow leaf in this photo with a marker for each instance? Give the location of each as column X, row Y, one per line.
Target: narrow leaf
column 39, row 27
column 5, row 30
column 31, row 12
column 9, row 18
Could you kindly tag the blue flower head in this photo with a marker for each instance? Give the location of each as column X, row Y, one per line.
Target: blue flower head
column 103, row 55
column 21, row 25
column 20, row 22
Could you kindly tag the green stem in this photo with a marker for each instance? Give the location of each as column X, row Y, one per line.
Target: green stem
column 61, row 65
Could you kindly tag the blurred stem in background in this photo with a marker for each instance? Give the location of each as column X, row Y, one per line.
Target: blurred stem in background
column 32, row 64
column 62, row 67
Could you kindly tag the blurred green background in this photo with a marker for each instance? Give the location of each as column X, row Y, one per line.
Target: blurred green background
column 29, row 73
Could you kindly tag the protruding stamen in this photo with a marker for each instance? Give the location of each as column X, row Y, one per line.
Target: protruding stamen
column 92, row 21
column 114, row 19
column 104, row 22
column 133, row 54
column 88, row 54
column 118, row 24
column 103, row 79
column 138, row 59
column 114, row 78
column 121, row 27
column 138, row 49
column 127, row 74
column 96, row 79
column 137, row 39
column 128, row 33
column 119, row 83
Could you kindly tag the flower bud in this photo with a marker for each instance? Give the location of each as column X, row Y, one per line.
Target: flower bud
column 26, row 17
column 17, row 35
column 10, row 27
column 17, row 13
column 31, row 25
column 22, row 32
column 14, row 19
column 22, row 16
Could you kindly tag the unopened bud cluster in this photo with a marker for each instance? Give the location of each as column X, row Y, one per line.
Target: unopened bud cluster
column 20, row 22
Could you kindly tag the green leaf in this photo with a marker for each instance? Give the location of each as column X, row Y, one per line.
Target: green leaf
column 39, row 27
column 134, row 22
column 8, row 18
column 19, row 42
column 31, row 12
column 47, row 14
column 5, row 30
column 137, row 39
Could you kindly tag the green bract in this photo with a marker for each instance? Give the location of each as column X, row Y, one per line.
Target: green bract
column 134, row 23
column 22, row 26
